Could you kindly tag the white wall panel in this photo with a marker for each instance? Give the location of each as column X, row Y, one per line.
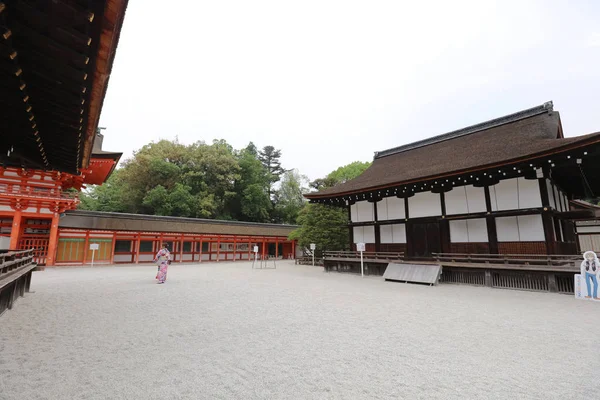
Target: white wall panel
column 507, row 194
column 588, row 229
column 364, row 211
column 118, row 258
column 458, row 231
column 550, row 194
column 358, row 234
column 369, row 234
column 382, row 210
column 364, row 234
column 531, row 228
column 395, row 233
column 566, row 200
column 425, row 204
column 144, row 257
column 456, row 201
column 529, row 193
column 556, row 198
column 493, row 201
column 395, row 208
column 385, row 232
column 477, row 230
column 399, row 233
column 354, row 213
column 507, row 229
column 475, row 199
column 468, row 231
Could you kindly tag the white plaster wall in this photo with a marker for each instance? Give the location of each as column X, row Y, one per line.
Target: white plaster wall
column 477, row 230
column 399, row 233
column 363, row 211
column 390, row 208
column 475, row 199
column 557, row 199
column 424, row 204
column 395, row 233
column 468, row 231
column 524, row 228
column 458, row 231
column 507, row 229
column 146, row 257
column 364, row 234
column 353, row 213
column 550, row 194
column 4, row 242
column 529, row 193
column 187, row 257
column 589, row 242
column 456, row 201
column 5, row 208
column 118, row 258
column 531, row 228
column 506, row 192
column 588, row 229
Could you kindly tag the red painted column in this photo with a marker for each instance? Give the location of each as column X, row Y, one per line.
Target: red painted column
column 112, row 248
column 293, row 249
column 15, row 230
column 181, row 249
column 201, row 240
column 276, row 248
column 86, row 246
column 137, row 248
column 263, row 249
column 234, row 248
column 52, row 243
column 249, row 249
column 218, row 248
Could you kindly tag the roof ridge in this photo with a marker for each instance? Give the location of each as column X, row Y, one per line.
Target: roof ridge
column 530, row 112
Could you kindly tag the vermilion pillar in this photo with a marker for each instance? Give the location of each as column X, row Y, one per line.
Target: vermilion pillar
column 15, row 231
column 293, row 249
column 50, row 260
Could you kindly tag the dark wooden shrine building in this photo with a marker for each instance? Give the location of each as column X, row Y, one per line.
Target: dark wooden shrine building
column 503, row 186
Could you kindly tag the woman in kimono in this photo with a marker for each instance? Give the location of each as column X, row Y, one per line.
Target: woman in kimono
column 163, row 258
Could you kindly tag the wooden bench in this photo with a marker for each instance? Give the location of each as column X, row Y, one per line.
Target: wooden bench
column 15, row 276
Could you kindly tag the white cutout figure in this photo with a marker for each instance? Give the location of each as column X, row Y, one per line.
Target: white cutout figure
column 590, row 271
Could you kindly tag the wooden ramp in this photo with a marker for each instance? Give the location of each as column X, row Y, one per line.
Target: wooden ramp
column 413, row 273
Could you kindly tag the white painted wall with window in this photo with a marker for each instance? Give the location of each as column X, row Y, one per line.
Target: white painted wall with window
column 390, row 208
column 364, row 234
column 468, row 231
column 395, row 233
column 425, row 204
column 523, row 228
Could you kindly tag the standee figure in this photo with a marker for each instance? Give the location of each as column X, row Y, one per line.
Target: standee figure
column 590, row 271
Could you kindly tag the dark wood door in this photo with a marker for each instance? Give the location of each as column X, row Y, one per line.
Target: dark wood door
column 424, row 239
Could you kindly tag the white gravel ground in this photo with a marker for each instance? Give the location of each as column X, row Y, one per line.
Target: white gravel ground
column 225, row 331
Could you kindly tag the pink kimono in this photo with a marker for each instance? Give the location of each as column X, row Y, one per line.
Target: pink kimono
column 163, row 257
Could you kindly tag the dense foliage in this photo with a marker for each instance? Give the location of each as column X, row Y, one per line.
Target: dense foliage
column 327, row 226
column 216, row 181
column 202, row 180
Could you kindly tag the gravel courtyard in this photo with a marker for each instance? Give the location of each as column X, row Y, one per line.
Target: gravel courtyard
column 225, row 331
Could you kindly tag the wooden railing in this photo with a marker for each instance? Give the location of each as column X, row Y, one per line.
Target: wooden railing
column 15, row 276
column 553, row 260
column 367, row 255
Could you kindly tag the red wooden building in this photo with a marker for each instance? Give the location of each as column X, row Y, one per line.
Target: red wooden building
column 503, row 186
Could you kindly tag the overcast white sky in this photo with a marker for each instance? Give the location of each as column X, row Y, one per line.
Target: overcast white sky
column 331, row 82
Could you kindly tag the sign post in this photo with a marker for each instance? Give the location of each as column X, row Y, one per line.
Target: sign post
column 312, row 249
column 361, row 247
column 93, row 248
column 255, row 250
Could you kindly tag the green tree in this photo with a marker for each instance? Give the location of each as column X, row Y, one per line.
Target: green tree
column 269, row 157
column 290, row 196
column 327, row 226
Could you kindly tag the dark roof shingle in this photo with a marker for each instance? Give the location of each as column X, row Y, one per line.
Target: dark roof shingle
column 500, row 144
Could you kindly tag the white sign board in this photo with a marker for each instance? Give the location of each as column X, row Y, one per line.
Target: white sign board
column 581, row 288
column 94, row 246
column 360, row 247
column 255, row 249
column 313, row 246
